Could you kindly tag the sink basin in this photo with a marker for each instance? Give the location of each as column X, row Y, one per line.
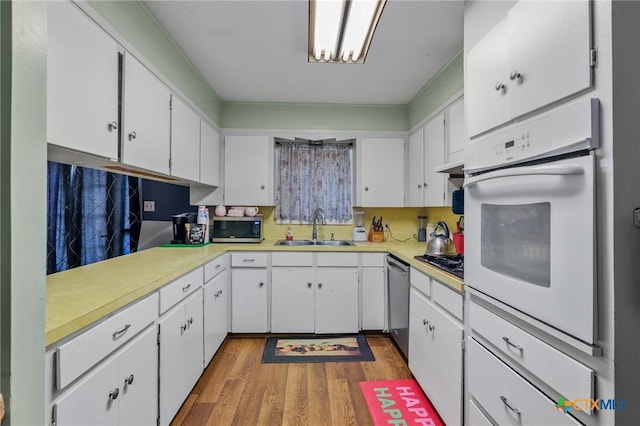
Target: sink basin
column 314, row 243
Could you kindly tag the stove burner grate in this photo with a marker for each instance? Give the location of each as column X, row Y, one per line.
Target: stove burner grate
column 451, row 264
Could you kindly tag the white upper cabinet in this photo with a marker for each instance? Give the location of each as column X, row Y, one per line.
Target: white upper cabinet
column 209, row 155
column 415, row 191
column 538, row 54
column 82, row 83
column 380, row 172
column 434, row 183
column 248, row 170
column 146, row 118
column 456, row 134
column 185, row 141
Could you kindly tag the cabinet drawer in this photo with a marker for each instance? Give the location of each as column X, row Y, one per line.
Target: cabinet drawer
column 420, row 281
column 249, row 260
column 558, row 370
column 505, row 395
column 87, row 349
column 214, row 267
column 447, row 298
column 179, row 289
column 374, row 260
column 291, row 259
column 337, row 259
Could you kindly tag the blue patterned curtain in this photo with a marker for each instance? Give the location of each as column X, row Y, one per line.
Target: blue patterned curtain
column 312, row 177
column 92, row 215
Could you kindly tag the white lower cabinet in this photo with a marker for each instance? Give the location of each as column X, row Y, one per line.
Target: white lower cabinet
column 216, row 301
column 372, row 297
column 122, row 390
column 336, row 300
column 507, row 397
column 249, row 299
column 435, row 355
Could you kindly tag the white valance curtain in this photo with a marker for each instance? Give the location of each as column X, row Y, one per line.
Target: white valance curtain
column 311, row 177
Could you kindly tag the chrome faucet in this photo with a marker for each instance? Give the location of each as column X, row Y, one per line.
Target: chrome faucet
column 317, row 214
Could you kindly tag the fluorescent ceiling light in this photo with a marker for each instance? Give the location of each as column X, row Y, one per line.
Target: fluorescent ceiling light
column 340, row 31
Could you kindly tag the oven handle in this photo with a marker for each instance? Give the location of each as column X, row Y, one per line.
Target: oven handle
column 554, row 170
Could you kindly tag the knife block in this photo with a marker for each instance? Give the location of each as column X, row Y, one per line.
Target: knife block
column 376, row 236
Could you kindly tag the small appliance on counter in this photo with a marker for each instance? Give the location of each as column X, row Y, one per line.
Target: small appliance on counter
column 422, row 228
column 180, row 222
column 359, row 233
column 236, row 229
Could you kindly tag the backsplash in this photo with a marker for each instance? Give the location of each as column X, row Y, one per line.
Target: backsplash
column 402, row 221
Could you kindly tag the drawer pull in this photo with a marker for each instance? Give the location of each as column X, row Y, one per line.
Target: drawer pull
column 113, row 395
column 183, row 328
column 509, row 342
column 504, row 400
column 424, row 322
column 128, row 380
column 186, row 288
column 432, row 327
column 218, row 266
column 117, row 334
column 248, row 260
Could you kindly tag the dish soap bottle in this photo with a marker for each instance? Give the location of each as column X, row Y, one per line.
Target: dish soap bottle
column 289, row 235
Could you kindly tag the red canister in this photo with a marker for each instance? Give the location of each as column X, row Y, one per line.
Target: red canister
column 458, row 241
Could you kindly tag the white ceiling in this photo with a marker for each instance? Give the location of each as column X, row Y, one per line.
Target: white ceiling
column 256, row 50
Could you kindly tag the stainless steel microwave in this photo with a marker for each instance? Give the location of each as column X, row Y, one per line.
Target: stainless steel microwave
column 236, row 229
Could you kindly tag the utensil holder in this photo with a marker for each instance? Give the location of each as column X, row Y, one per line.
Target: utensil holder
column 376, row 236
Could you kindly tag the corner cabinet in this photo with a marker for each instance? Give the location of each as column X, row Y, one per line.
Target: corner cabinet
column 146, row 118
column 436, row 340
column 380, row 172
column 248, row 170
column 538, row 54
column 82, row 83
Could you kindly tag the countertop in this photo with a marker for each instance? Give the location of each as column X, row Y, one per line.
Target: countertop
column 78, row 297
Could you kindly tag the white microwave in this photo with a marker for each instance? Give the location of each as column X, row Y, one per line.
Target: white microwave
column 237, row 229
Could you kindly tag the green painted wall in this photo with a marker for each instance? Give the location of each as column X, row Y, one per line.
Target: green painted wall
column 253, row 115
column 438, row 91
column 132, row 20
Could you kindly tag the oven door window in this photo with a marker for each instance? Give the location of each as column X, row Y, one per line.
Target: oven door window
column 516, row 241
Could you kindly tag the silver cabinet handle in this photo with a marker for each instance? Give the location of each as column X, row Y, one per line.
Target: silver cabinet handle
column 113, row 395
column 248, row 260
column 261, row 284
column 128, row 380
column 424, row 321
column 309, row 284
column 500, row 87
column 319, row 285
column 509, row 342
column 262, row 187
column 504, row 400
column 515, row 75
column 113, row 126
column 419, row 186
column 186, row 288
column 183, row 328
column 366, row 188
column 432, row 327
column 218, row 266
column 117, row 334
column 132, row 135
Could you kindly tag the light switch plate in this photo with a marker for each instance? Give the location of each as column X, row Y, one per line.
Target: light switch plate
column 149, row 206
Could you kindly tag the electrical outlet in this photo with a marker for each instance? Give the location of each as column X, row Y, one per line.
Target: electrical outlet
column 149, row 206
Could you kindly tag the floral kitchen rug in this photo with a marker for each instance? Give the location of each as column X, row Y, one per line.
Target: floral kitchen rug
column 323, row 348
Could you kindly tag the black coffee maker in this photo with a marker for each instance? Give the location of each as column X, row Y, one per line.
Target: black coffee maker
column 179, row 220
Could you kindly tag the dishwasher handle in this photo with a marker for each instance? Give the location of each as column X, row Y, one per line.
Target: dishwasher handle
column 403, row 269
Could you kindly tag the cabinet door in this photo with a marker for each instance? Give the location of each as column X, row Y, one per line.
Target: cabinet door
column 456, row 134
column 415, row 192
column 138, row 367
column 373, row 306
column 215, row 315
column 209, row 155
column 292, row 300
column 434, row 191
column 435, row 356
column 549, row 47
column 380, row 172
column 193, row 340
column 93, row 401
column 185, row 141
column 249, row 300
column 82, row 83
column 336, row 300
column 487, row 86
column 146, row 118
column 247, row 170
column 172, row 381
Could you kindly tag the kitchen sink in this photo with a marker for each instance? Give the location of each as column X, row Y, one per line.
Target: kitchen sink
column 313, row 243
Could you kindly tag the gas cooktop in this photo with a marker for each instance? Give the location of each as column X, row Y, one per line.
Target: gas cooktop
column 451, row 264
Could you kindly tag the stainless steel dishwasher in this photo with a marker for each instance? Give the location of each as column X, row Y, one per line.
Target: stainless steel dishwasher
column 398, row 296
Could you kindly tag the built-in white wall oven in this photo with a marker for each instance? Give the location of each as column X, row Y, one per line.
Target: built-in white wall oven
column 530, row 240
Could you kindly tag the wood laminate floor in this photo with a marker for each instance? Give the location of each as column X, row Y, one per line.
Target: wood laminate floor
column 237, row 389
